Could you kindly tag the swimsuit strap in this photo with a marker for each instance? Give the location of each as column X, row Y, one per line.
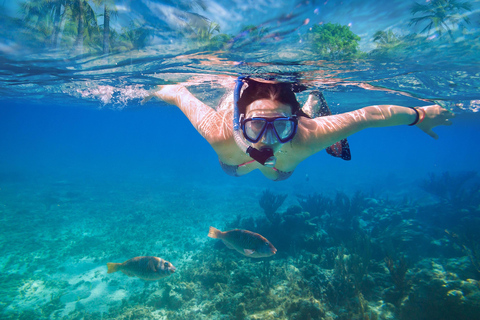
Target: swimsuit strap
column 248, row 162
column 232, row 170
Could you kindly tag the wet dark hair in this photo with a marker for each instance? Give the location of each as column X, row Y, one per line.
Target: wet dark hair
column 281, row 92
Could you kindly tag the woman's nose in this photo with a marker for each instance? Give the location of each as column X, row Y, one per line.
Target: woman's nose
column 269, row 137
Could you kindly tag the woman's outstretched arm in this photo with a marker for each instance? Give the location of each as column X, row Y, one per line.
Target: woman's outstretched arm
column 208, row 122
column 321, row 132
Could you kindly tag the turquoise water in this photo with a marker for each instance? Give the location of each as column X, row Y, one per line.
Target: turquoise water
column 89, row 176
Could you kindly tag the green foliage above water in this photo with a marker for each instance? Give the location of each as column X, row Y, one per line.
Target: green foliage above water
column 74, row 25
column 438, row 19
column 440, row 15
column 334, row 41
column 208, row 37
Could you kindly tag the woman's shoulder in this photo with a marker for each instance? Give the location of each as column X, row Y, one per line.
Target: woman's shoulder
column 225, row 104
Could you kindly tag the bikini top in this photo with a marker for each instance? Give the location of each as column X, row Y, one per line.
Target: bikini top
column 231, row 170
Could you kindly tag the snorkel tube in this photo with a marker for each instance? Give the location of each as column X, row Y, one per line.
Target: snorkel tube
column 264, row 156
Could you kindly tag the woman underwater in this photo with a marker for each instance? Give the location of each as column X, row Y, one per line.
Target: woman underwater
column 263, row 127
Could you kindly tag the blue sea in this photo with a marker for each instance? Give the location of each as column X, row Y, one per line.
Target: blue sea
column 89, row 175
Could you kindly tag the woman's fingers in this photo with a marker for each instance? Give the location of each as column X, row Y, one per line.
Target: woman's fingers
column 436, row 116
column 432, row 134
column 146, row 99
column 447, row 114
column 153, row 93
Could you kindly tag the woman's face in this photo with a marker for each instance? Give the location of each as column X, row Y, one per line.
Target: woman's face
column 266, row 108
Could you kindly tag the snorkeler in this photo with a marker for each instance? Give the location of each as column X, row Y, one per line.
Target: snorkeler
column 263, row 127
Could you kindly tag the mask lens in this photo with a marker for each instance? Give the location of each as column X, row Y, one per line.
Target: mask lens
column 284, row 128
column 254, row 129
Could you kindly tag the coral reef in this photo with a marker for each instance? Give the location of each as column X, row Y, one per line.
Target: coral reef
column 457, row 195
column 341, row 257
column 451, row 188
column 270, row 204
column 438, row 293
column 398, row 269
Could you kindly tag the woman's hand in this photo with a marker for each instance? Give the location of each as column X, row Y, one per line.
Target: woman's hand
column 167, row 93
column 435, row 115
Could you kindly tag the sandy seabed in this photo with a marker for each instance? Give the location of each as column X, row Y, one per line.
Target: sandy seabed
column 358, row 257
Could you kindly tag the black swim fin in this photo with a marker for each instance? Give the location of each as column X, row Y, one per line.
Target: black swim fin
column 340, row 149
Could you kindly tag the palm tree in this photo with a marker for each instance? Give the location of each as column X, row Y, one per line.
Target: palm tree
column 61, row 15
column 106, row 28
column 47, row 20
column 78, row 14
column 440, row 14
column 385, row 38
column 59, row 8
column 86, row 22
column 133, row 37
column 389, row 44
column 205, row 33
column 44, row 19
column 38, row 19
column 108, row 11
column 202, row 35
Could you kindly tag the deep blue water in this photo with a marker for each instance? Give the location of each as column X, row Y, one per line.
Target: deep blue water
column 69, row 143
column 89, row 176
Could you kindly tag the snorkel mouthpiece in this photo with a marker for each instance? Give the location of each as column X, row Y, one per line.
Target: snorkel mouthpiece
column 264, row 156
